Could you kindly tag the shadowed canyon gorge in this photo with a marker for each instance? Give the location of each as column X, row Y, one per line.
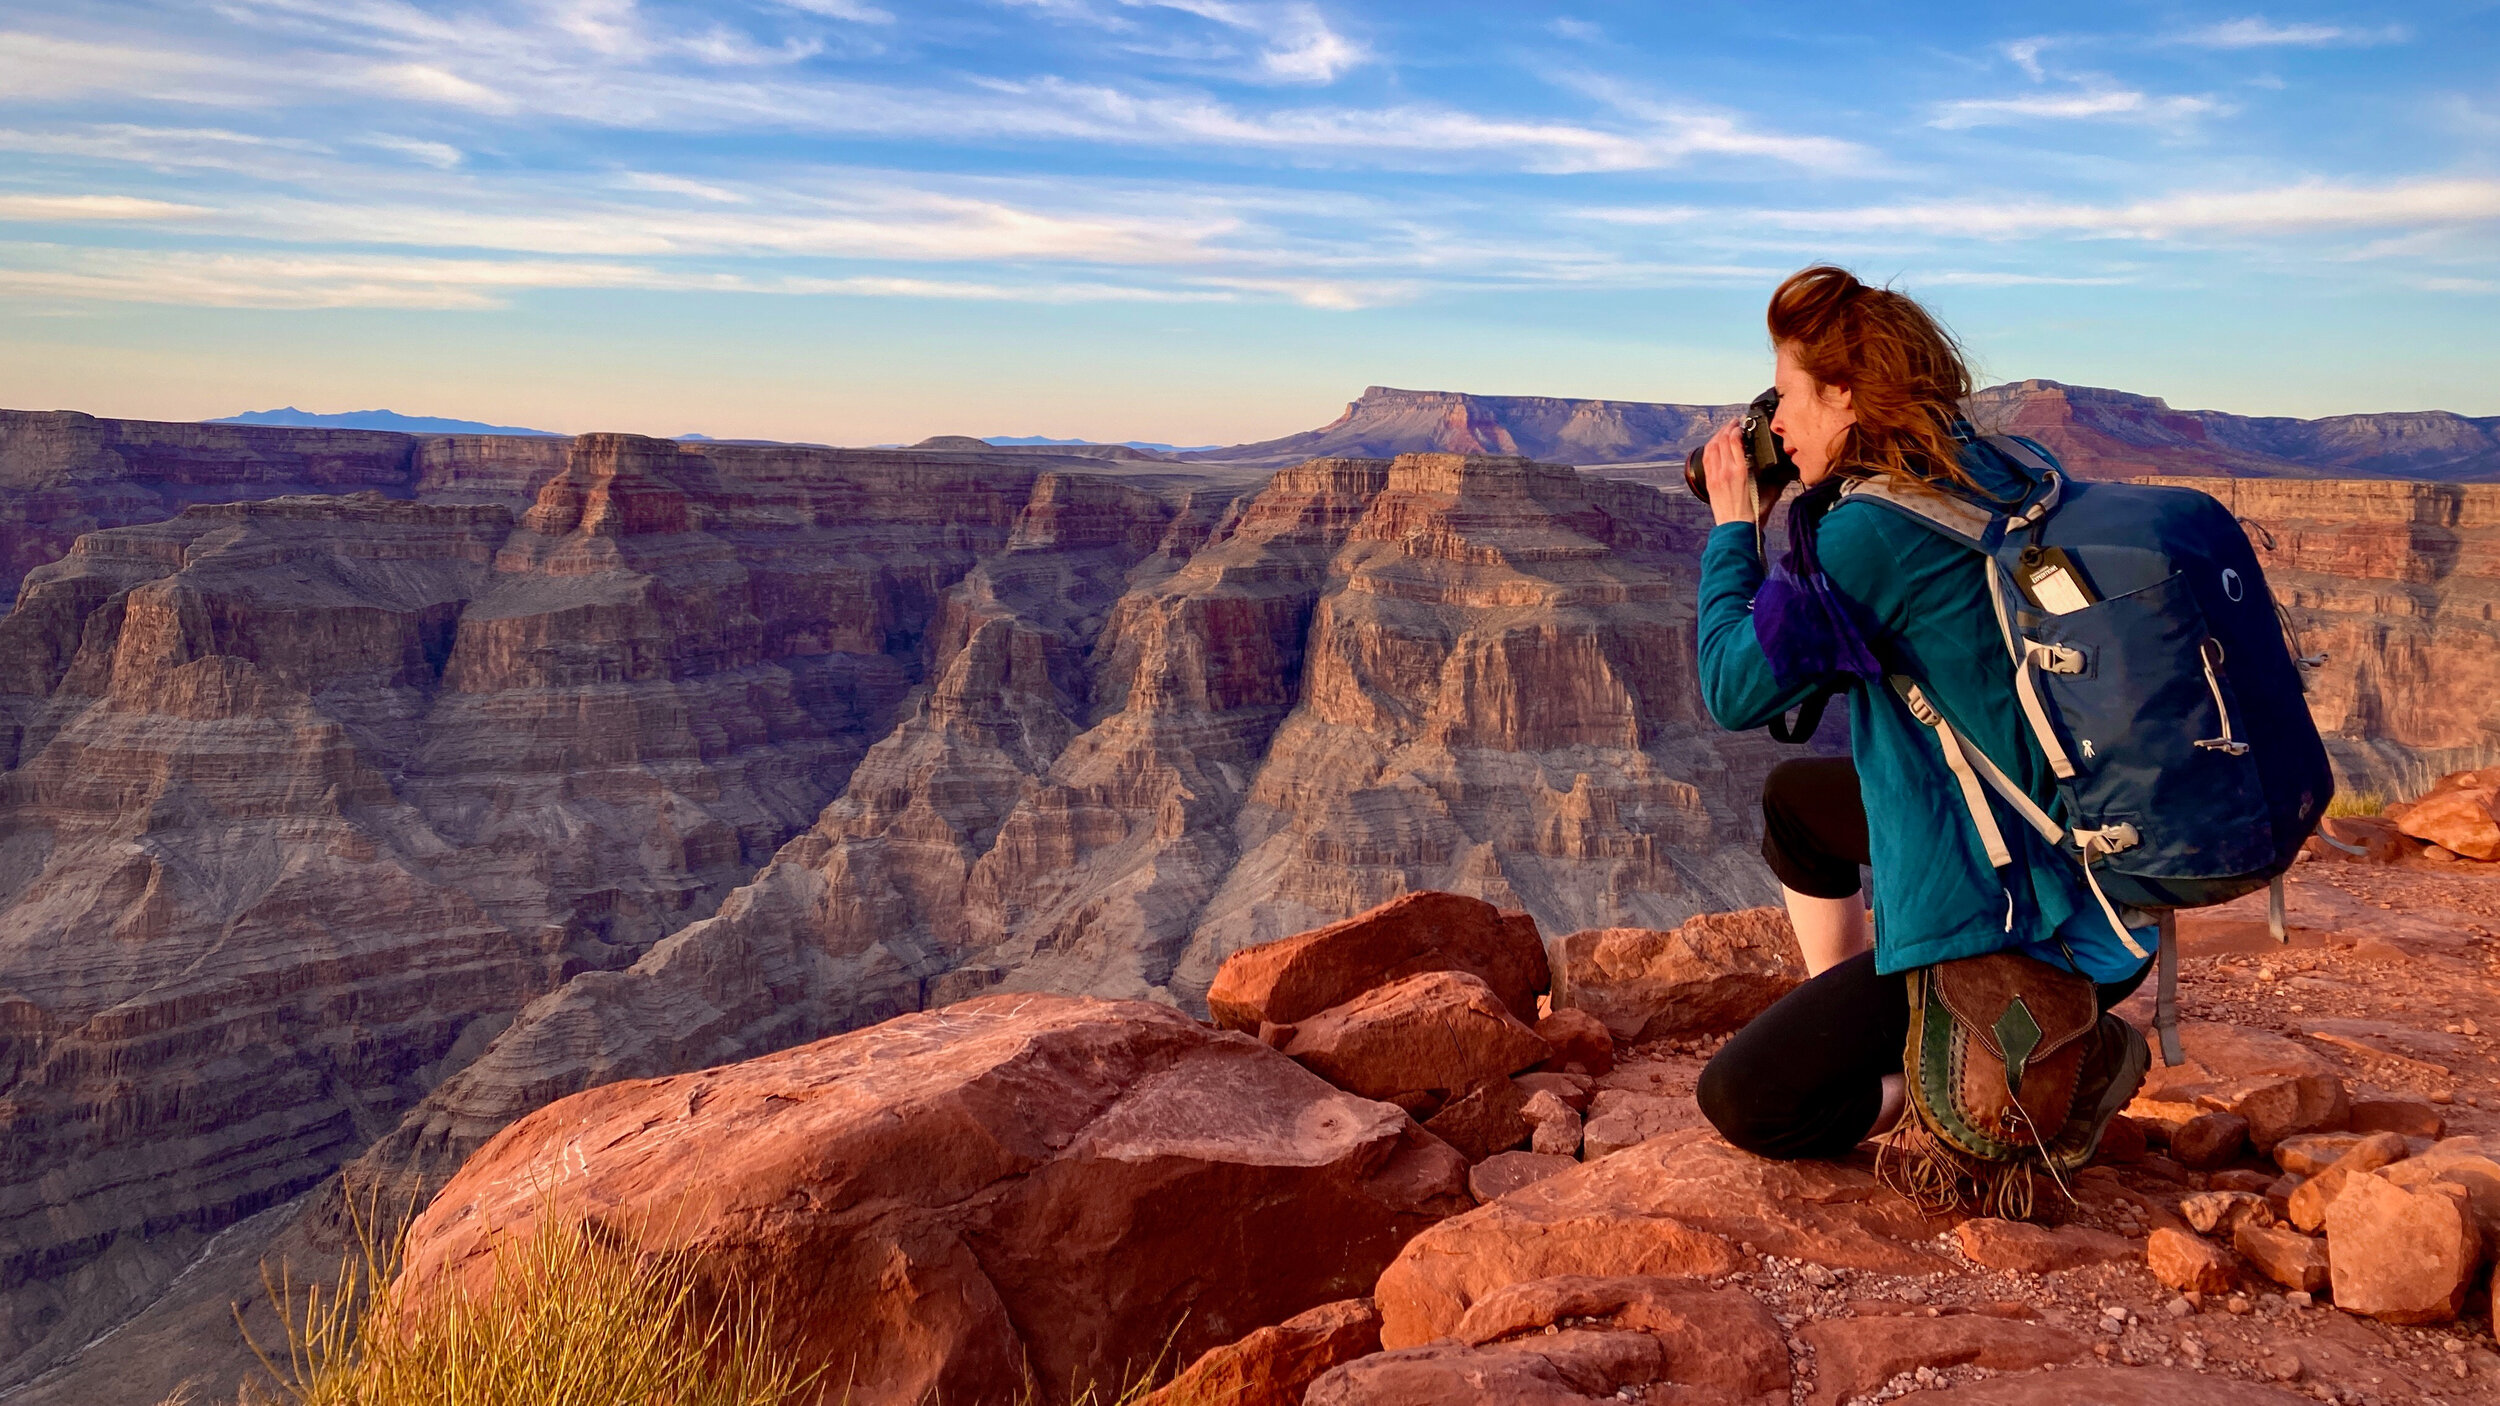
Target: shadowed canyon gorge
column 361, row 793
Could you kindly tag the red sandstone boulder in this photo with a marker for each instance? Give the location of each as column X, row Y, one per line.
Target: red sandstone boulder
column 2190, row 1263
column 1275, row 1366
column 1490, row 1118
column 2409, row 1116
column 946, row 1201
column 2309, row 1201
column 1557, row 1125
column 2375, row 837
column 1856, row 1356
column 2286, row 1256
column 1712, row 973
column 2466, row 1164
column 2220, row 1212
column 2209, row 1141
column 1575, row 1090
column 1284, row 981
column 2457, row 815
column 1679, row 1204
column 1506, row 1172
column 2311, row 1153
column 2401, row 1256
column 1578, row 1038
column 1578, row 1338
column 1621, row 1118
column 1418, row 1042
column 2038, row 1249
column 2280, row 1086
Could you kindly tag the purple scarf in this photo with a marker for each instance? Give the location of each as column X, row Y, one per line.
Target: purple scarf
column 1809, row 632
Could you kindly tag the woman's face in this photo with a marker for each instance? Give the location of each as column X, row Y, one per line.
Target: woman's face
column 1811, row 417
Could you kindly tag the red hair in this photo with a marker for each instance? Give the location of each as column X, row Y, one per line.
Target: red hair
column 1904, row 372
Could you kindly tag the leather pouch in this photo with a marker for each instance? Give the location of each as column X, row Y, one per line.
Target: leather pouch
column 1996, row 1048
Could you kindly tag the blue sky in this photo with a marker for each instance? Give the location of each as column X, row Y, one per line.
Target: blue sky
column 1213, row 220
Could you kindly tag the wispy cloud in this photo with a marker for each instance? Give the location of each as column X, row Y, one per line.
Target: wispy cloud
column 48, row 66
column 434, row 83
column 852, row 10
column 304, row 281
column 2309, row 205
column 2258, row 33
column 2002, row 278
column 2025, row 54
column 309, row 282
column 440, row 155
column 67, row 209
column 959, row 290
column 1296, row 42
column 679, row 185
column 2119, row 104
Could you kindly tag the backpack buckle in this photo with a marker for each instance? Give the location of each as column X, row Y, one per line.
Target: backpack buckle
column 2108, row 839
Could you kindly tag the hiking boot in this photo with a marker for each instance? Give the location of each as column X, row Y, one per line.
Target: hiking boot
column 2111, row 1074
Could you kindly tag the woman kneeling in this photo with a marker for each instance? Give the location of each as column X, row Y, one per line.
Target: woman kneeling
column 1871, row 387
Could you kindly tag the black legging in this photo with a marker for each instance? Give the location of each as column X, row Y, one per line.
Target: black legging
column 1805, row 1079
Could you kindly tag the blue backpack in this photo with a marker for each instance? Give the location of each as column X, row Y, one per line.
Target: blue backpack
column 2152, row 664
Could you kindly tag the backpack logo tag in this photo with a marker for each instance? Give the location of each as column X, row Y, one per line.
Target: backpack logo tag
column 2231, row 583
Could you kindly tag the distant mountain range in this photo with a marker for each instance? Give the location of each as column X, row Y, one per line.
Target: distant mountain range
column 2097, row 433
column 1023, row 439
column 372, row 420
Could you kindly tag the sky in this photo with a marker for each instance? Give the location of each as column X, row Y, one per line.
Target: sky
column 1210, row 221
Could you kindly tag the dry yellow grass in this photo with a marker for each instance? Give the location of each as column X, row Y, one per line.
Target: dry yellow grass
column 2356, row 803
column 570, row 1320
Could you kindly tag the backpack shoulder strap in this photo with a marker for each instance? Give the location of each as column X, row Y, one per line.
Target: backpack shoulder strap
column 1958, row 518
column 2029, row 453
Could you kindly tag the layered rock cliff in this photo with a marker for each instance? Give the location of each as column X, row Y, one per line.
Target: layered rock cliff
column 306, row 796
column 1128, row 761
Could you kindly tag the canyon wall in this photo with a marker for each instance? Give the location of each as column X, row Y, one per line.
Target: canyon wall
column 1130, row 759
column 305, row 796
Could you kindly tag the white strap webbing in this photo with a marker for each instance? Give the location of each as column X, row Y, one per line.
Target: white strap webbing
column 2022, row 653
column 1970, row 767
column 2109, row 910
column 2014, row 795
column 1990, row 837
column 1954, row 516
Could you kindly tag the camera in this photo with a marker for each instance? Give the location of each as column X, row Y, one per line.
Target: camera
column 1765, row 459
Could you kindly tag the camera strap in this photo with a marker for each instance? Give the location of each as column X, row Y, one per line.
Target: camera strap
column 1808, row 717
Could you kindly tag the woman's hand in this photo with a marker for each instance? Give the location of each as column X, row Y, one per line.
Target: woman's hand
column 1723, row 466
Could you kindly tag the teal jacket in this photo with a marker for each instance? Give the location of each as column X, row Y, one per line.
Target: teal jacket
column 1936, row 897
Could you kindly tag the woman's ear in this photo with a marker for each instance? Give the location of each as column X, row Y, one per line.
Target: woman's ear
column 1839, row 398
